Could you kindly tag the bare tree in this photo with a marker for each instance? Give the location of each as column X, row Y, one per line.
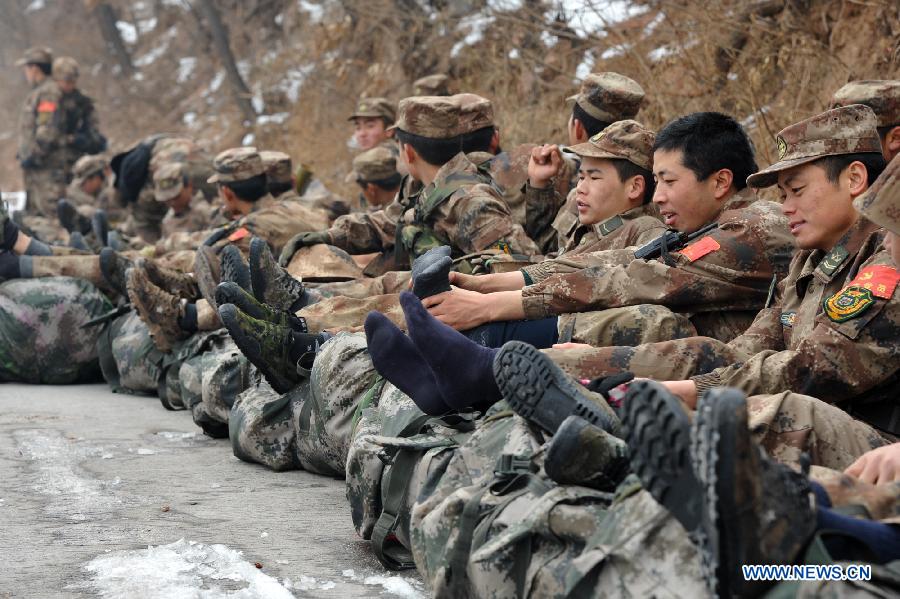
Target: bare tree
column 220, row 40
column 106, row 17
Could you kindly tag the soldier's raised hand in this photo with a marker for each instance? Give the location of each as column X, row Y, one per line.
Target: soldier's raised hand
column 545, row 163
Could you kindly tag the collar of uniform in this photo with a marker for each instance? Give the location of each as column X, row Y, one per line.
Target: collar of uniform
column 831, row 263
column 458, row 164
column 267, row 201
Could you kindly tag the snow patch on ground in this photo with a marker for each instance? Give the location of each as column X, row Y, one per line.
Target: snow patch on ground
column 154, row 54
column 186, row 68
column 293, row 80
column 127, row 31
column 35, row 5
column 181, row 569
column 73, row 493
column 315, row 11
column 394, row 585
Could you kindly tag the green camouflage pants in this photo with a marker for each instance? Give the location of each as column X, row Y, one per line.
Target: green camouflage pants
column 42, row 339
column 310, row 426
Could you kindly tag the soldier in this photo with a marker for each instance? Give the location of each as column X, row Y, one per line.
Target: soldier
column 82, row 200
column 718, row 281
column 78, row 123
column 375, row 171
column 43, row 169
column 188, row 211
column 372, row 120
column 551, row 214
column 432, row 85
column 883, row 97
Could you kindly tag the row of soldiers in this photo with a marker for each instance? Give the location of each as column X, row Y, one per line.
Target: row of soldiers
column 605, row 368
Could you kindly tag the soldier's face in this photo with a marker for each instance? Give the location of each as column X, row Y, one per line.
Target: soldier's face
column 66, row 86
column 685, row 203
column 600, row 194
column 180, row 203
column 819, row 212
column 369, row 132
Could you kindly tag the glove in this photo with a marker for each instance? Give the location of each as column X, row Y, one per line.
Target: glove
column 301, row 240
column 29, row 162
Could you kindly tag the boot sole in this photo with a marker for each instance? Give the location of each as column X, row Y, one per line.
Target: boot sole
column 658, row 434
column 205, row 274
column 233, row 262
column 257, row 276
column 107, row 266
column 539, row 391
column 715, row 433
column 251, row 349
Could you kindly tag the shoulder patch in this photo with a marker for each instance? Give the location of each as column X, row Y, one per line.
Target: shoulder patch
column 880, row 279
column 239, row 234
column 46, row 106
column 700, row 248
column 788, row 318
column 608, row 226
column 848, row 303
column 832, row 261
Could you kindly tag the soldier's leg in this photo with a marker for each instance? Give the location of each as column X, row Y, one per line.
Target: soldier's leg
column 666, row 360
column 347, row 313
column 44, row 187
column 82, row 267
column 261, row 426
column 789, row 424
column 627, row 326
column 388, row 283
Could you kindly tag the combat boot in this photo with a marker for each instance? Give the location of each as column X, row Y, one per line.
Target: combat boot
column 757, row 511
column 207, row 273
column 76, row 241
column 70, row 219
column 100, row 227
column 113, row 267
column 159, row 310
column 234, row 268
column 539, row 391
column 177, row 283
column 275, row 350
column 231, row 293
column 583, row 454
column 271, row 283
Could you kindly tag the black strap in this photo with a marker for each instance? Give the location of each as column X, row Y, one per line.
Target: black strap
column 389, row 551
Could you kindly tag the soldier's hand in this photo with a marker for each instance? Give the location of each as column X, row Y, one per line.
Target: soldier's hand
column 459, row 308
column 301, row 240
column 879, row 466
column 464, row 281
column 545, row 163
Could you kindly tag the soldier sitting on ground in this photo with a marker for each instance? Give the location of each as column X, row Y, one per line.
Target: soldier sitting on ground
column 883, row 97
column 188, row 210
column 372, row 120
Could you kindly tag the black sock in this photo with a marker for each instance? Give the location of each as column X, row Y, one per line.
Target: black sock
column 397, row 359
column 463, row 369
column 9, row 266
column 188, row 322
column 38, row 248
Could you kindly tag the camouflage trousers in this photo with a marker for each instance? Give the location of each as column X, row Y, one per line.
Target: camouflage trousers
column 788, row 425
column 44, row 187
column 349, row 313
column 309, row 427
column 392, row 282
column 80, row 266
column 42, row 340
column 626, row 326
column 47, row 229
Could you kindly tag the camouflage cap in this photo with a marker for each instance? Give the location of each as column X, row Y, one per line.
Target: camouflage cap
column 39, row 55
column 168, row 181
column 88, row 166
column 432, row 85
column 882, row 96
column 65, row 68
column 278, row 166
column 628, row 140
column 609, row 96
column 845, row 130
column 376, row 164
column 323, row 263
column 236, row 164
column 881, row 202
column 374, row 108
column 443, row 117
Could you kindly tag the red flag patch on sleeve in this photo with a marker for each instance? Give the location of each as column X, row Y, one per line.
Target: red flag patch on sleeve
column 698, row 249
column 881, row 280
column 46, row 106
column 239, row 234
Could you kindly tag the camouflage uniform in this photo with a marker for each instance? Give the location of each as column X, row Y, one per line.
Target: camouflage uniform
column 168, row 183
column 40, row 141
column 882, row 96
column 551, row 211
column 79, row 124
column 85, row 168
column 42, row 340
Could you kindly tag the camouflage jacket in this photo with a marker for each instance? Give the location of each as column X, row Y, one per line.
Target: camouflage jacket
column 195, row 218
column 832, row 334
column 274, row 221
column 730, row 269
column 40, row 138
column 632, row 228
column 474, row 217
column 79, row 127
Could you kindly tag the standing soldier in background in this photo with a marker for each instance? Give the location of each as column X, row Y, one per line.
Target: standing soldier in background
column 42, row 170
column 79, row 128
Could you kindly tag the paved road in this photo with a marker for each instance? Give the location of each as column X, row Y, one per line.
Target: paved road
column 89, row 480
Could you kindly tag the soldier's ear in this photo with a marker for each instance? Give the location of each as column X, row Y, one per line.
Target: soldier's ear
column 892, row 140
column 857, row 178
column 722, row 181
